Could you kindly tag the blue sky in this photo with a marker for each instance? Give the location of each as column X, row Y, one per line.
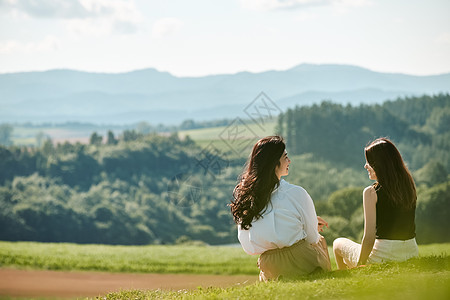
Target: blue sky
column 203, row 37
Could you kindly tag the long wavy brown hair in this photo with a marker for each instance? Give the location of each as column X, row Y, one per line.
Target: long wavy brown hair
column 257, row 182
column 392, row 173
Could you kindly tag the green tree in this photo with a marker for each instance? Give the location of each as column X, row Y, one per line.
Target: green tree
column 95, row 139
column 431, row 174
column 131, row 135
column 111, row 140
column 439, row 120
column 5, row 134
column 432, row 216
column 144, row 128
column 118, row 193
column 280, row 125
column 337, row 227
column 40, row 138
column 346, row 201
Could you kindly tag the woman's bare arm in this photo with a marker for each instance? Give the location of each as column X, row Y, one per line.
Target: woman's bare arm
column 369, row 203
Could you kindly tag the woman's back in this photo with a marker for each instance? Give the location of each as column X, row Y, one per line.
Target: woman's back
column 389, row 211
column 290, row 217
column 276, row 219
column 393, row 222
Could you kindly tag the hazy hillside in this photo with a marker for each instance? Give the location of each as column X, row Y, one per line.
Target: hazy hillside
column 138, row 188
column 159, row 97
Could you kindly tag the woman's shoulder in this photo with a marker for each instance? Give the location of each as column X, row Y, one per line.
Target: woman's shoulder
column 370, row 193
column 292, row 188
column 370, row 189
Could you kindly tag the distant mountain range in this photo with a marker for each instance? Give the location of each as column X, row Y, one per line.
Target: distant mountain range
column 159, row 97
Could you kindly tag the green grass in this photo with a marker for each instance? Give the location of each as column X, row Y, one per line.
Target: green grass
column 215, row 133
column 144, row 259
column 219, row 137
column 415, row 279
column 133, row 259
column 27, row 135
column 425, row 277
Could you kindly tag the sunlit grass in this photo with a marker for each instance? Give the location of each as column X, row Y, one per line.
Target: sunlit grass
column 419, row 278
column 249, row 131
column 137, row 259
column 425, row 277
column 148, row 259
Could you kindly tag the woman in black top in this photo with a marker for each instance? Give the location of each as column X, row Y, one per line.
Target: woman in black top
column 389, row 210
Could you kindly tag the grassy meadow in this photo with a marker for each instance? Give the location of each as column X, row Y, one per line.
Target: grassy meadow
column 26, row 135
column 186, row 259
column 215, row 133
column 132, row 259
column 420, row 278
column 427, row 276
column 229, row 139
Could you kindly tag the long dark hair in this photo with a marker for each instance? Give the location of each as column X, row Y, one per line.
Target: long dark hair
column 257, row 182
column 392, row 173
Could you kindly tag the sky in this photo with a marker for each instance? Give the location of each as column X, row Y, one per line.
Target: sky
column 191, row 38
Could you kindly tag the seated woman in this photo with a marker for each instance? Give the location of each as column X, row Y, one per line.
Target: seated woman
column 277, row 219
column 389, row 211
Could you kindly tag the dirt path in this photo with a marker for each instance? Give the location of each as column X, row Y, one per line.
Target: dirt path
column 21, row 283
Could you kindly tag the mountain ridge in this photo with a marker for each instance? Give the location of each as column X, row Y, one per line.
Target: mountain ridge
column 74, row 95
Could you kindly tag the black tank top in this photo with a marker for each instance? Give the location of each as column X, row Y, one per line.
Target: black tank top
column 393, row 223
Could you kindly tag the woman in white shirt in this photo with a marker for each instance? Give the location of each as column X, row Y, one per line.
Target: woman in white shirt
column 277, row 219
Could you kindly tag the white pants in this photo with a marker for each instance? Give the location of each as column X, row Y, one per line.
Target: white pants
column 383, row 251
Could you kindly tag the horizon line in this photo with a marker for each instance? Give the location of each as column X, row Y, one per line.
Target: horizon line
column 216, row 74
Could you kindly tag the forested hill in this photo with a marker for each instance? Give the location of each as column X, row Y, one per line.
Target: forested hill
column 144, row 189
column 419, row 125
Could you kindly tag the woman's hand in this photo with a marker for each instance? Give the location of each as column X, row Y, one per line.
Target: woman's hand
column 321, row 223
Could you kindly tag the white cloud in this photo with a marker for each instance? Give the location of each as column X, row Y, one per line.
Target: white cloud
column 119, row 9
column 352, row 3
column 443, row 38
column 165, row 27
column 47, row 8
column 69, row 9
column 48, row 44
column 267, row 5
column 7, row 47
column 106, row 16
column 91, row 17
column 124, row 26
column 88, row 27
column 399, row 20
column 343, row 6
column 304, row 16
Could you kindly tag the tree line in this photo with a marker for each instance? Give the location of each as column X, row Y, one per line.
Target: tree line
column 125, row 192
column 418, row 125
column 141, row 188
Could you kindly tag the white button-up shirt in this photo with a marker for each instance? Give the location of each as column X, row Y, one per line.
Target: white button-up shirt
column 289, row 218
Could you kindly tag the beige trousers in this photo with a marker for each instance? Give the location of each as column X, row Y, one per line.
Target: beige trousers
column 299, row 259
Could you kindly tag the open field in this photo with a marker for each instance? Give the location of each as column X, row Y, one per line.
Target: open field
column 26, row 135
column 216, row 133
column 425, row 277
column 144, row 259
column 235, row 140
column 132, row 259
column 420, row 278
